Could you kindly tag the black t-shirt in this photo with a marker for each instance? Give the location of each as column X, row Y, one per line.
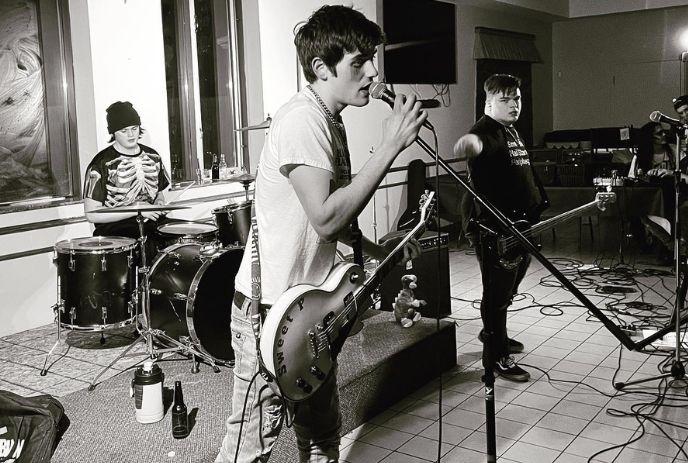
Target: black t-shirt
column 503, row 174
column 115, row 179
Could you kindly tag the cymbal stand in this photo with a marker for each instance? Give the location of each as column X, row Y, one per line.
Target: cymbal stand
column 245, row 184
column 146, row 333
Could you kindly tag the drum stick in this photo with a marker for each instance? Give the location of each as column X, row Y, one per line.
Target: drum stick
column 178, row 195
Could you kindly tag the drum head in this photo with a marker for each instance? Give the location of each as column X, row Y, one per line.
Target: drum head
column 95, row 244
column 212, row 303
column 186, row 228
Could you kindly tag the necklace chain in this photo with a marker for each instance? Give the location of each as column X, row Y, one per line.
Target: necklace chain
column 323, row 106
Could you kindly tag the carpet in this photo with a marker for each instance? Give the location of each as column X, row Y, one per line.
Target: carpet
column 377, row 367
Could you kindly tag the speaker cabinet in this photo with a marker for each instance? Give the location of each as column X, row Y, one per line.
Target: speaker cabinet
column 433, row 286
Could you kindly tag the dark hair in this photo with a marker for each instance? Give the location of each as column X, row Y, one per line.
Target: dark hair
column 646, row 144
column 331, row 31
column 502, row 83
column 680, row 101
column 141, row 132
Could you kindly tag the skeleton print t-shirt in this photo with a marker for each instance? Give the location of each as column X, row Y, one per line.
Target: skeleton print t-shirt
column 115, row 179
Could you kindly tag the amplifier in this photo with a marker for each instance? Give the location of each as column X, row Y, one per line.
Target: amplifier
column 432, row 287
column 430, row 240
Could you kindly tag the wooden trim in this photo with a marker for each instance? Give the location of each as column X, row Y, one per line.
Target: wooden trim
column 40, row 225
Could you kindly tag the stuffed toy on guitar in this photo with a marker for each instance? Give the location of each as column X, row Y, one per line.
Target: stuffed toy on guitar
column 405, row 304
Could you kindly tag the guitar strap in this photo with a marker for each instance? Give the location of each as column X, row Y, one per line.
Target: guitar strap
column 256, row 316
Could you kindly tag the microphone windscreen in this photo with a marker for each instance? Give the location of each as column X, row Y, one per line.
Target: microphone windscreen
column 656, row 116
column 377, row 90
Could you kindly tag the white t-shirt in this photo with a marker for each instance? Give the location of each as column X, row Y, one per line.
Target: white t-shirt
column 291, row 252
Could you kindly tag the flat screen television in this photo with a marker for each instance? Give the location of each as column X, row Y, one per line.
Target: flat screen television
column 421, row 42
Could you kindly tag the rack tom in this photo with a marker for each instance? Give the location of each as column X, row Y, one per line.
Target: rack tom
column 233, row 223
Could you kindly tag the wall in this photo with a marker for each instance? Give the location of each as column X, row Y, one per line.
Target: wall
column 614, row 70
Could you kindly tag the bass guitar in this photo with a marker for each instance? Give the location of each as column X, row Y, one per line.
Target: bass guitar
column 306, row 327
column 510, row 251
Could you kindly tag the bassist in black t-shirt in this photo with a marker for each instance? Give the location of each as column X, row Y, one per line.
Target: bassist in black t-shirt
column 500, row 171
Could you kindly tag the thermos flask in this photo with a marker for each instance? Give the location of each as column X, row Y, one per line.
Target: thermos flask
column 146, row 387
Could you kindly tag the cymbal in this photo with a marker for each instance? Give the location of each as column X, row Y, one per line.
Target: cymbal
column 141, row 207
column 263, row 125
column 243, row 178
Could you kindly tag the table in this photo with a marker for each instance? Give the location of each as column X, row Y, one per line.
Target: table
column 632, row 201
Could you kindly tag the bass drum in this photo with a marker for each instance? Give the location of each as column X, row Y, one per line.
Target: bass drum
column 191, row 291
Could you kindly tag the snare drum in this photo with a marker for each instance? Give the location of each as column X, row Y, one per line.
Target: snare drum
column 178, row 232
column 192, row 287
column 96, row 278
column 233, row 223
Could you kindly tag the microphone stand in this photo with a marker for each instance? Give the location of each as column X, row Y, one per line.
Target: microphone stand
column 507, row 224
column 677, row 371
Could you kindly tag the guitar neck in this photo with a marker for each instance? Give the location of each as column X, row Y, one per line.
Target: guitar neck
column 561, row 218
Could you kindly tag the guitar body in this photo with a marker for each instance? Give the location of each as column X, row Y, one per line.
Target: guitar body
column 511, row 257
column 305, row 329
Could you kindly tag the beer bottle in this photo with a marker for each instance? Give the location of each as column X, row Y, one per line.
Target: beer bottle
column 180, row 418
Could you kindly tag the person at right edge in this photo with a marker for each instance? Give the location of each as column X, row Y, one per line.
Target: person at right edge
column 500, row 171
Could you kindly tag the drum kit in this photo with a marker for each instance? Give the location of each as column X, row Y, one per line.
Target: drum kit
column 180, row 303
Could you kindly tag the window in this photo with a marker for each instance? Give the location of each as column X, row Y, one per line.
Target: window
column 38, row 154
column 202, row 91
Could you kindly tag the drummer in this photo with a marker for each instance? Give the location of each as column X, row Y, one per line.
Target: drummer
column 124, row 173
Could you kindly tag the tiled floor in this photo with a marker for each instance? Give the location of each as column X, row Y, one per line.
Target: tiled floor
column 564, row 418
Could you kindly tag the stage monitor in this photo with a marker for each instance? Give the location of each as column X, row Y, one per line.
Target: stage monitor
column 421, row 42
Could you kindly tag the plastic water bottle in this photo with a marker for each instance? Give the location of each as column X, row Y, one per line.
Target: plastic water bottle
column 146, row 388
column 224, row 172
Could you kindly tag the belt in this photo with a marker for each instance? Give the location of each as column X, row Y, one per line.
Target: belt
column 239, row 299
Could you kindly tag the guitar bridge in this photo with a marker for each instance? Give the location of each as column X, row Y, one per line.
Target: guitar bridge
column 313, row 341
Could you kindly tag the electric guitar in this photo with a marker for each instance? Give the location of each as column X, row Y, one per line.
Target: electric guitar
column 306, row 327
column 510, row 251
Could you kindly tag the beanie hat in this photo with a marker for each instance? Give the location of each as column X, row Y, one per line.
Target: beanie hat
column 121, row 114
column 680, row 101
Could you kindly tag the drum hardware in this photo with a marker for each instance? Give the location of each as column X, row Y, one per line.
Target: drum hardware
column 190, row 286
column 147, row 333
column 95, row 285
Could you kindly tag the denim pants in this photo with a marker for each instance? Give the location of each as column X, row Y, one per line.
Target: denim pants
column 499, row 288
column 317, row 421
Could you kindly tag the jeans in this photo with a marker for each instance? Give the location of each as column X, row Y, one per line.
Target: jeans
column 317, row 421
column 499, row 288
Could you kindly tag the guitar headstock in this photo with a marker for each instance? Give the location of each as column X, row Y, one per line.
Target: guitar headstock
column 603, row 198
column 426, row 205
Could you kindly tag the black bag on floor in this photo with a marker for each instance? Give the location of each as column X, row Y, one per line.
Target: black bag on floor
column 30, row 427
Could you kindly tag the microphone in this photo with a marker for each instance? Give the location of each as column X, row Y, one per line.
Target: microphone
column 379, row 91
column 656, row 116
